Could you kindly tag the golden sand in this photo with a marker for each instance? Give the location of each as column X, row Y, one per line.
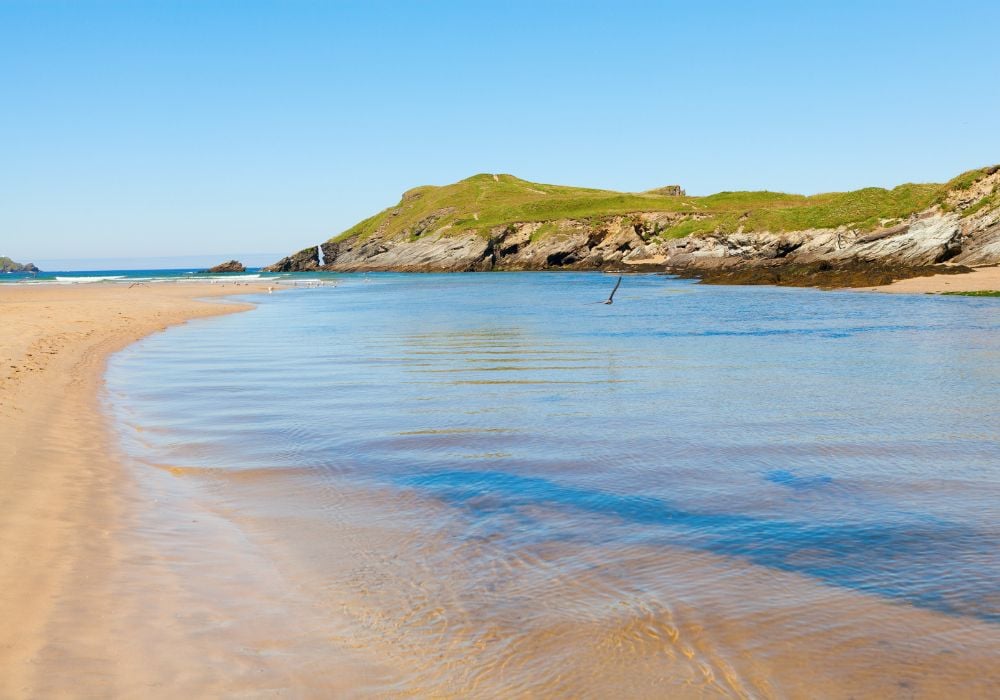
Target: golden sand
column 982, row 279
column 88, row 607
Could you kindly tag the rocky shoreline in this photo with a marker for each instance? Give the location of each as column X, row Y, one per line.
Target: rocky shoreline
column 957, row 232
column 820, row 274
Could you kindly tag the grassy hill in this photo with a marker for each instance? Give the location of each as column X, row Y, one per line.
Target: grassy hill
column 482, row 202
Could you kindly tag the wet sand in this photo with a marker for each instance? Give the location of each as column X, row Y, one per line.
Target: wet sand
column 98, row 594
column 981, row 279
column 578, row 620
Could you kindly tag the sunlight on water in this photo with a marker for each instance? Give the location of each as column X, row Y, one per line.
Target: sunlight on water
column 502, row 484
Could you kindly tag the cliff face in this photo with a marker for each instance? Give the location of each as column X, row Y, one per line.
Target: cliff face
column 8, row 265
column 547, row 227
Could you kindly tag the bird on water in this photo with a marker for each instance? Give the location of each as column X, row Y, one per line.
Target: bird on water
column 611, row 298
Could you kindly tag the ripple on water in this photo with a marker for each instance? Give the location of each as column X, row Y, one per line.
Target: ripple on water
column 699, row 491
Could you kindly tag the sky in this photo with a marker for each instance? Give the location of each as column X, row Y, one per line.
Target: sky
column 220, row 129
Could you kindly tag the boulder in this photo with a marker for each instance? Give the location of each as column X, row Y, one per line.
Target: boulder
column 230, row 266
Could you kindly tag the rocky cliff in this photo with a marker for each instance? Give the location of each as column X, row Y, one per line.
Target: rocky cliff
column 8, row 265
column 498, row 222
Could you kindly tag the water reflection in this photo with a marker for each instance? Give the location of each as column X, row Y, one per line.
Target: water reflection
column 466, row 467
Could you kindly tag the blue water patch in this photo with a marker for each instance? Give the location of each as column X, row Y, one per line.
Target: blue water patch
column 910, row 557
column 783, row 477
column 852, row 438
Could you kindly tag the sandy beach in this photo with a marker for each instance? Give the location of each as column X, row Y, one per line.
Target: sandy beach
column 64, row 489
column 69, row 508
column 981, row 279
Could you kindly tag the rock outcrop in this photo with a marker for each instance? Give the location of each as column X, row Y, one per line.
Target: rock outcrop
column 958, row 222
column 669, row 191
column 8, row 265
column 228, row 266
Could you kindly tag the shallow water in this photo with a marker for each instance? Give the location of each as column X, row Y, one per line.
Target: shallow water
column 497, row 486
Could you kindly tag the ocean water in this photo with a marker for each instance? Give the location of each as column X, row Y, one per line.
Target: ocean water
column 499, row 487
column 133, row 276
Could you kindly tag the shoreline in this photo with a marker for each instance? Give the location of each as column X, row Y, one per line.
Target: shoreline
column 927, row 279
column 952, row 280
column 981, row 279
column 66, row 486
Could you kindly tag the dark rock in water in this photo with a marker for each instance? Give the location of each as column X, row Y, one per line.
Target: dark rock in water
column 8, row 265
column 230, row 266
column 305, row 260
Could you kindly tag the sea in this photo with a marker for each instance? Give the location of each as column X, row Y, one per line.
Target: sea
column 134, row 276
column 495, row 485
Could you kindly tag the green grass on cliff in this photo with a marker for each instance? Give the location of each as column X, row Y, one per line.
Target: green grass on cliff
column 6, row 264
column 864, row 209
column 483, row 202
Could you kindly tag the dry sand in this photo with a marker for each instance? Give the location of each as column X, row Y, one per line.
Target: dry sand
column 90, row 605
column 981, row 279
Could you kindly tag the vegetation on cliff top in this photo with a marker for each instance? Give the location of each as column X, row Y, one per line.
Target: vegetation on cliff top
column 483, row 202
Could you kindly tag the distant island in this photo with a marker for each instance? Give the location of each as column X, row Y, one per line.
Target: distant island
column 500, row 222
column 8, row 265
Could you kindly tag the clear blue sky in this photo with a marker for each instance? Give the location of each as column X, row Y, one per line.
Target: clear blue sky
column 225, row 128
